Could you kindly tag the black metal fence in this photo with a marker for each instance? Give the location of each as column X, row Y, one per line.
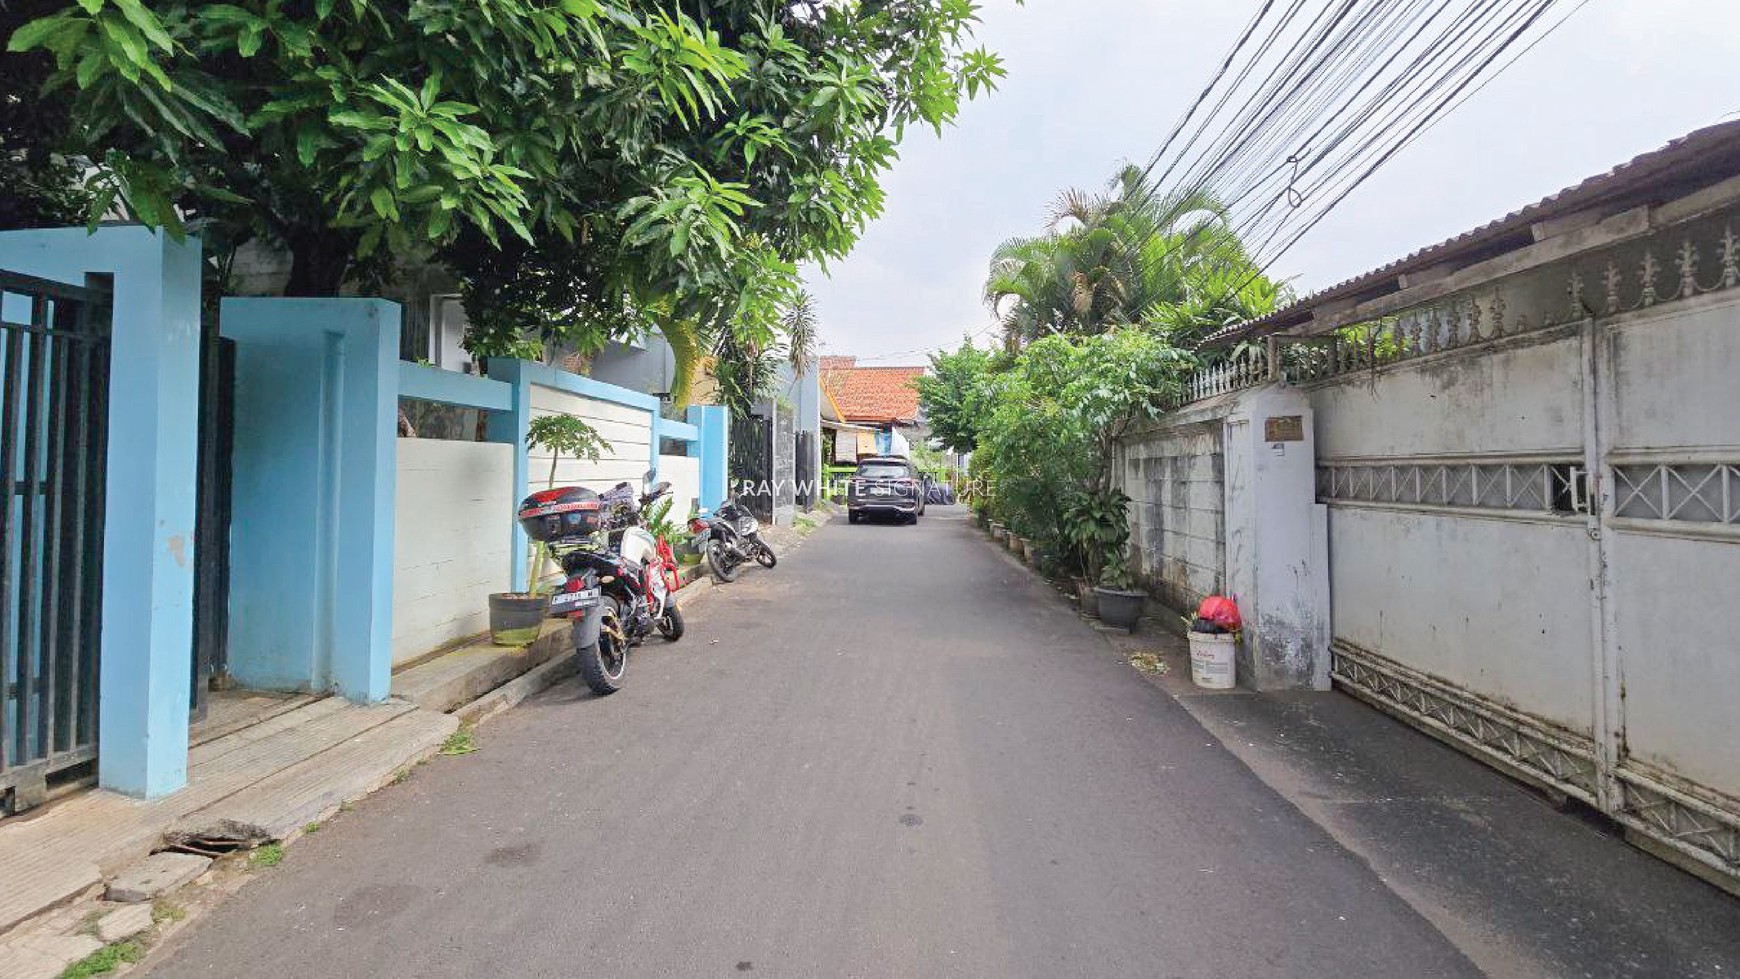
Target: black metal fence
column 751, row 463
column 54, row 407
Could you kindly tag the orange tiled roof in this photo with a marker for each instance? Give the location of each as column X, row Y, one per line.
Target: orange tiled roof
column 876, row 395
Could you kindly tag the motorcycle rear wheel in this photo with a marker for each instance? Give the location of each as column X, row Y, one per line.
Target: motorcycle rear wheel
column 603, row 663
column 719, row 561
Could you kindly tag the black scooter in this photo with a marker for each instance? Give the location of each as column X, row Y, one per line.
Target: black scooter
column 730, row 537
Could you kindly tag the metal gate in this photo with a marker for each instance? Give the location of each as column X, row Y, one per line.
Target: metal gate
column 806, row 470
column 211, row 574
column 751, row 458
column 54, row 404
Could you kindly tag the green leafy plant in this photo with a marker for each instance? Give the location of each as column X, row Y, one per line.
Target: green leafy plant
column 460, row 742
column 560, row 434
column 589, row 169
column 270, row 855
column 106, row 960
column 1096, row 522
column 1115, row 572
column 659, row 523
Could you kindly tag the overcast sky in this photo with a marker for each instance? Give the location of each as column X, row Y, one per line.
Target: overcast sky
column 1094, row 83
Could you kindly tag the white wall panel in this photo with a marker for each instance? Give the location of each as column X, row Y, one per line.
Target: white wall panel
column 451, row 540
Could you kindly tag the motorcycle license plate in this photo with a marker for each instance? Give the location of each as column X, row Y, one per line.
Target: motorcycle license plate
column 584, row 598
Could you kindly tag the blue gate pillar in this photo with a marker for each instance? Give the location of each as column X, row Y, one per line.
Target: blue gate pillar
column 145, row 658
column 714, row 424
column 315, row 471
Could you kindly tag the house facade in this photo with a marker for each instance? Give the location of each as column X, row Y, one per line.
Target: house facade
column 872, row 410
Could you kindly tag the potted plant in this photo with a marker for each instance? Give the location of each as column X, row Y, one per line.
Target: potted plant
column 1120, row 602
column 516, row 618
column 1087, row 597
column 1097, row 527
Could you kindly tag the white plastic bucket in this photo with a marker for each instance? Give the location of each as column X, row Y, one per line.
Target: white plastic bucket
column 1212, row 666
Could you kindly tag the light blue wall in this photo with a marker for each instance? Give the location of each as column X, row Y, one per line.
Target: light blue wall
column 315, row 472
column 713, row 444
column 147, row 614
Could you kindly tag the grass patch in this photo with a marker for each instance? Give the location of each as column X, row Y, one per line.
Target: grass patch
column 105, row 960
column 460, row 742
column 270, row 855
column 311, row 828
column 163, row 911
column 1149, row 663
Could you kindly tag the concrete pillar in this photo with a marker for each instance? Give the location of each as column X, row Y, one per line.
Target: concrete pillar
column 316, row 424
column 713, row 448
column 1277, row 534
column 511, row 427
column 145, row 689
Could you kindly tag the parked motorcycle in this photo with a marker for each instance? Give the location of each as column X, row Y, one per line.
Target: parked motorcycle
column 620, row 580
column 730, row 537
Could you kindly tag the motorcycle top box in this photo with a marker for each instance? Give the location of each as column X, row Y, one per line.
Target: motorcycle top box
column 560, row 513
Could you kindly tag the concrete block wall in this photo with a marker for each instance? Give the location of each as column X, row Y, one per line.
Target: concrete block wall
column 452, row 544
column 627, row 429
column 1174, row 477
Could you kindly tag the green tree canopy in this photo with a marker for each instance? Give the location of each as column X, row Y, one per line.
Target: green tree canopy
column 586, row 167
column 955, row 395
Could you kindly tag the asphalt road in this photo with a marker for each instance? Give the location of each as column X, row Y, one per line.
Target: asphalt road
column 897, row 754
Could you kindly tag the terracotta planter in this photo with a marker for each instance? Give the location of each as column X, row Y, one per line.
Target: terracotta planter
column 1088, row 597
column 1120, row 608
column 999, row 533
column 515, row 619
column 1017, row 546
column 1033, row 555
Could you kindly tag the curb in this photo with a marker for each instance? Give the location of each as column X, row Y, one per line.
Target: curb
column 561, row 667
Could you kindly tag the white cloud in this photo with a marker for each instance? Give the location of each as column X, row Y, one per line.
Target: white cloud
column 1092, row 85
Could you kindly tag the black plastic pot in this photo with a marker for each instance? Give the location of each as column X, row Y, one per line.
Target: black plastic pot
column 1120, row 608
column 515, row 618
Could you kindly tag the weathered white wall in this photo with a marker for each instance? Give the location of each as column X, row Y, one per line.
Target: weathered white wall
column 1217, row 509
column 627, row 430
column 1173, row 473
column 1497, row 604
column 451, row 541
column 684, row 473
column 1675, row 582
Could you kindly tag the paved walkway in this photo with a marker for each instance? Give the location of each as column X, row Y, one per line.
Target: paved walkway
column 897, row 754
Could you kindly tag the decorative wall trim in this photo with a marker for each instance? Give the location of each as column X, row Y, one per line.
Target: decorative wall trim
column 1701, row 493
column 1707, row 832
column 1560, row 759
column 1704, row 832
column 1536, row 487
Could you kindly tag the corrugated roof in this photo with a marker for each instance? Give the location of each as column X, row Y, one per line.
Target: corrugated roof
column 879, row 395
column 1698, row 159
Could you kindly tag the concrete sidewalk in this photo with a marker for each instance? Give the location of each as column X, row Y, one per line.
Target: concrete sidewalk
column 261, row 768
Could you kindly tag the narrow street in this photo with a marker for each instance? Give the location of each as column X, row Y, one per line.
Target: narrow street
column 894, row 755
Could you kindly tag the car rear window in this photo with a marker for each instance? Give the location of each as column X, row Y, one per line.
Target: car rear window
column 883, row 470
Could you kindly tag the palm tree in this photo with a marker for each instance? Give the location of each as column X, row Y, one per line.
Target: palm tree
column 1127, row 256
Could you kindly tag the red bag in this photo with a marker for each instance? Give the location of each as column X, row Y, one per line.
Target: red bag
column 1221, row 611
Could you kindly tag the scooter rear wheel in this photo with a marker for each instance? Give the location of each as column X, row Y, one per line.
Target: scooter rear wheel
column 719, row 562
column 671, row 624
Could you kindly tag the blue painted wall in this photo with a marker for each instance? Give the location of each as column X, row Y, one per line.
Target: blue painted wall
column 148, row 559
column 713, row 427
column 315, row 472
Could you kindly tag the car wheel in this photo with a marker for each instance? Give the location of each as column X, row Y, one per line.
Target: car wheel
column 852, row 516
